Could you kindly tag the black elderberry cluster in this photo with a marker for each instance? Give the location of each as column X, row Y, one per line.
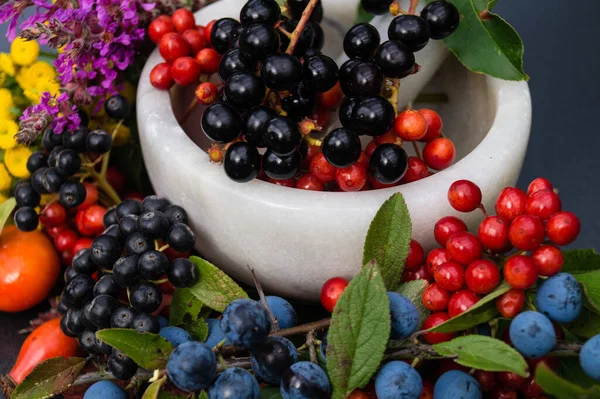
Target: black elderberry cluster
column 130, row 264
column 53, row 169
column 254, row 44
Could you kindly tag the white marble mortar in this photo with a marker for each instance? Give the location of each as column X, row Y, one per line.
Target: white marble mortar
column 295, row 239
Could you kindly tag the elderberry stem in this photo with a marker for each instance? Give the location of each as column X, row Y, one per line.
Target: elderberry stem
column 301, row 25
column 413, row 6
column 417, row 149
column 285, row 32
column 310, row 341
column 261, row 294
column 394, row 97
column 103, row 184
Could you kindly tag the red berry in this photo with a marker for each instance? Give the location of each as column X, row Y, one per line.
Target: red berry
column 185, row 71
column 435, row 298
column 208, row 29
column 503, row 393
column 511, row 380
column 363, row 160
column 464, row 196
column 552, row 362
column 65, row 240
column 493, row 234
column 511, row 203
column 159, row 27
column 439, row 153
column 81, row 226
column 285, row 182
column 116, row 179
column 83, row 242
column 53, row 214
column 446, row 227
column 410, row 125
column 309, row 182
column 421, row 273
column 352, row 178
column 321, row 169
column 520, row 272
column 195, row 39
column 548, row 260
column 183, row 19
column 206, row 93
column 377, row 185
column 172, row 46
column 531, row 389
column 543, row 204
column 67, row 257
column 511, row 303
column 209, row 59
column 464, row 247
column 313, row 150
column 172, row 254
column 416, row 170
column 416, row 255
column 321, row 116
column 461, row 301
column 371, row 147
column 91, row 196
column 539, row 184
column 450, row 276
column 54, row 231
column 433, row 320
column 331, row 98
column 445, row 365
column 434, row 124
column 93, row 219
column 526, row 232
column 426, row 392
column 435, row 258
column 486, row 380
column 563, row 228
column 160, row 76
column 389, row 137
column 331, row 292
column 202, row 31
column 482, row 276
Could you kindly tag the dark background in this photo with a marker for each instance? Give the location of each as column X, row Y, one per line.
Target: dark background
column 563, row 63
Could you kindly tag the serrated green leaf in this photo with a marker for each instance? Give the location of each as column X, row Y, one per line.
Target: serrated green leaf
column 198, row 329
column 413, row 290
column 214, row 288
column 49, row 378
column 154, row 389
column 359, row 331
column 490, row 46
column 270, row 393
column 591, row 287
column 484, row 353
column 150, row 351
column 482, row 311
column 388, row 240
column 560, row 388
column 587, row 324
column 5, row 210
column 579, row 261
column 570, row 369
column 184, row 303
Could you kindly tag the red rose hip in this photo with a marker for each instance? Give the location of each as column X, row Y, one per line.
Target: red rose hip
column 421, row 273
column 493, row 234
column 543, row 204
column 410, row 125
column 511, row 203
column 433, row 320
column 185, row 71
column 464, row 195
column 183, row 19
column 526, row 232
column 548, row 260
column 352, row 178
column 482, row 276
column 309, row 182
column 434, row 124
column 447, row 227
column 331, row 292
column 461, row 301
column 435, row 298
column 208, row 59
column 464, row 247
column 195, row 39
column 563, row 228
column 439, row 153
column 416, row 170
column 450, row 276
column 159, row 27
column 321, row 169
column 172, row 46
column 520, row 272
column 539, row 184
column 160, row 76
column 511, row 303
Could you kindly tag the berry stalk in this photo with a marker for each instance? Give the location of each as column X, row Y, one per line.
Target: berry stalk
column 413, row 6
column 301, row 25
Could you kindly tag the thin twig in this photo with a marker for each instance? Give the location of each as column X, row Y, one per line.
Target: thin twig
column 413, row 6
column 417, row 149
column 303, row 329
column 301, row 25
column 188, row 111
column 310, row 341
column 395, row 91
column 261, row 294
column 285, row 32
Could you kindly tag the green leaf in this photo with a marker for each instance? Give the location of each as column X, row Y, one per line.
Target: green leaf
column 587, row 324
column 413, row 290
column 49, row 378
column 184, row 303
column 359, row 331
column 198, row 329
column 154, row 389
column 482, row 311
column 270, row 393
column 150, row 351
column 388, row 240
column 484, row 353
column 214, row 288
column 570, row 369
column 362, row 15
column 489, row 46
column 171, row 395
column 5, row 210
column 202, row 395
column 591, row 287
column 579, row 261
column 560, row 388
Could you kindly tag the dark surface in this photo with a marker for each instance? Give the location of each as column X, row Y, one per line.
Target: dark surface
column 562, row 61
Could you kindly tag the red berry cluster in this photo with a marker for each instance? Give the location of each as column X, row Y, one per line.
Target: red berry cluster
column 187, row 53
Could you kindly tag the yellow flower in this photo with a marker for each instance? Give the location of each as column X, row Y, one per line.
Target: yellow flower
column 123, row 135
column 6, row 64
column 24, row 52
column 8, row 129
column 5, row 179
column 16, row 161
column 6, row 103
column 42, row 85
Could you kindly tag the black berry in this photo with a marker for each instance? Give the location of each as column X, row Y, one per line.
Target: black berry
column 154, row 203
column 110, row 217
column 125, row 271
column 117, row 107
column 244, row 90
column 26, row 219
column 153, row 224
column 38, row 181
column 254, row 123
column 234, row 61
column 442, row 18
column 75, row 140
column 320, row 73
column 102, row 347
column 260, row 11
column 259, row 40
column 128, row 207
column 388, row 163
column 221, row 34
column 113, row 231
column 373, row 116
column 101, row 310
column 128, row 225
column 98, row 141
column 69, row 274
column 121, row 366
column 52, row 180
column 25, row 195
column 79, row 290
column 281, row 135
column 281, row 168
column 51, row 139
column 68, row 162
column 221, row 123
column 54, row 155
column 361, row 41
column 341, row 147
column 346, row 110
column 36, row 160
column 300, row 103
column 62, row 307
column 72, row 194
column 182, row 273
column 365, row 79
column 152, row 265
column 73, row 321
column 122, row 318
column 394, row 59
column 176, row 214
column 306, row 40
column 376, row 7
column 410, row 30
column 137, row 244
column 241, row 163
column 83, row 263
column 144, row 322
column 145, row 297
column 87, row 341
column 105, row 251
column 107, row 285
column 181, row 238
column 281, row 71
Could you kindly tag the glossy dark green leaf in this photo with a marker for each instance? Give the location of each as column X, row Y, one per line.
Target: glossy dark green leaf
column 579, row 261
column 150, row 351
column 560, row 388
